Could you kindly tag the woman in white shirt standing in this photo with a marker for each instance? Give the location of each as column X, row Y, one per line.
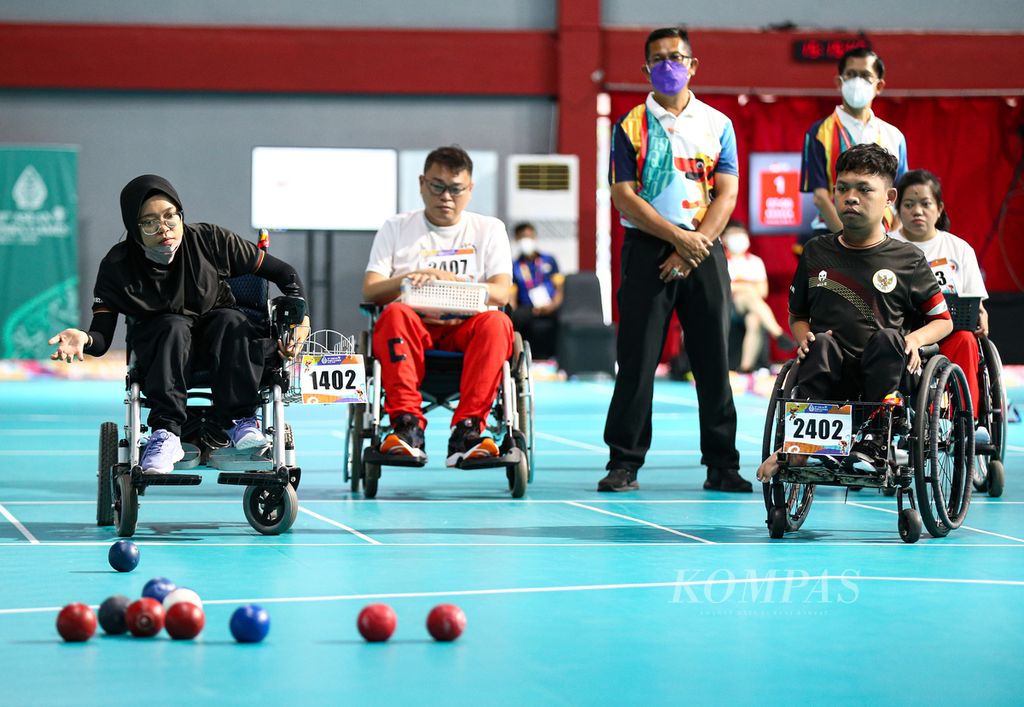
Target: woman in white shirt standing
column 952, row 259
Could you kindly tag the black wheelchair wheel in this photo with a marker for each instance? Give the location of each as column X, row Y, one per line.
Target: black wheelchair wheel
column 519, row 475
column 992, row 412
column 354, row 447
column 996, row 478
column 270, row 510
column 910, row 525
column 776, row 523
column 104, row 475
column 795, row 499
column 522, row 359
column 126, row 505
column 943, row 447
column 371, row 475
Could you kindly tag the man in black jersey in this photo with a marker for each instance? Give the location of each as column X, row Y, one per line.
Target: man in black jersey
column 861, row 304
column 171, row 280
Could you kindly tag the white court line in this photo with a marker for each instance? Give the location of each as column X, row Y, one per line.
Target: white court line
column 36, row 432
column 17, row 524
column 336, row 524
column 505, row 501
column 574, row 588
column 189, row 545
column 642, row 522
column 962, row 527
column 42, row 453
column 571, row 442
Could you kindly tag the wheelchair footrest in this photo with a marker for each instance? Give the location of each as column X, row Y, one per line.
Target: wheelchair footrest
column 985, row 450
column 191, row 458
column 151, row 479
column 510, row 458
column 231, row 459
column 250, row 478
column 374, row 456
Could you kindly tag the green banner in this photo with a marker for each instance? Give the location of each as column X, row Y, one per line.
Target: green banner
column 38, row 247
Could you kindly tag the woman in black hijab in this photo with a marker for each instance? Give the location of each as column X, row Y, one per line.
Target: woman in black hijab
column 170, row 281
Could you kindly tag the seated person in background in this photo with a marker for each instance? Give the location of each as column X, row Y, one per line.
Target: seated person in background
column 952, row 260
column 538, row 291
column 171, row 279
column 432, row 244
column 749, row 290
column 856, row 295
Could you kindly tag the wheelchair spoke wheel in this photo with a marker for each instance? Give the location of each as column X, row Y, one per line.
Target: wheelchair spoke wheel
column 126, row 505
column 944, row 448
column 270, row 510
column 104, row 475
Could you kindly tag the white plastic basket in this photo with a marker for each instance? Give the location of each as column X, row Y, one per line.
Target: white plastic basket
column 322, row 341
column 446, row 299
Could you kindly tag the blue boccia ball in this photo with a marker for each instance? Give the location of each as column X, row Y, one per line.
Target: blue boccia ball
column 250, row 623
column 158, row 588
column 123, row 556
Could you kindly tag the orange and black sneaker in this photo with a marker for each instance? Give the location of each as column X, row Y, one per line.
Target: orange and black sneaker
column 466, row 442
column 406, row 438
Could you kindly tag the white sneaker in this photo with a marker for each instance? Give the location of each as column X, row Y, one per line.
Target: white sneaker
column 162, row 451
column 981, row 435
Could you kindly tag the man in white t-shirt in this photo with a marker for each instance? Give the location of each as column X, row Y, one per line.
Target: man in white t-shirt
column 440, row 242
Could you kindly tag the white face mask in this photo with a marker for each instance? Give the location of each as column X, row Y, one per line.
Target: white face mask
column 161, row 254
column 527, row 246
column 858, row 92
column 737, row 243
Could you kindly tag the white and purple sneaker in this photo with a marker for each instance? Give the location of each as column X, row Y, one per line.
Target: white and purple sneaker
column 161, row 453
column 246, row 434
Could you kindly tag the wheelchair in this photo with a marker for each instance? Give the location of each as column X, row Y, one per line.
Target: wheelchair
column 928, row 447
column 989, row 472
column 510, row 421
column 269, row 474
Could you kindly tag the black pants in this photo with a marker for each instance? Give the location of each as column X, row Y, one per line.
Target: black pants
column 701, row 301
column 540, row 331
column 224, row 342
column 829, row 372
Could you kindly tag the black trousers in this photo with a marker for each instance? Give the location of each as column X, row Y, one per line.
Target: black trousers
column 829, row 372
column 539, row 331
column 646, row 304
column 170, row 347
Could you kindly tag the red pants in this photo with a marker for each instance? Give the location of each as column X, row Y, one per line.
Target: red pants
column 400, row 341
column 961, row 347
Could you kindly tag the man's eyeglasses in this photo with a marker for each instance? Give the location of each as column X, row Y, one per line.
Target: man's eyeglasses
column 674, row 57
column 439, row 188
column 152, row 226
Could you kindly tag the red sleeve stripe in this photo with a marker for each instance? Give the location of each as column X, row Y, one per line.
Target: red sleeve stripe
column 259, row 260
column 935, row 308
column 101, row 309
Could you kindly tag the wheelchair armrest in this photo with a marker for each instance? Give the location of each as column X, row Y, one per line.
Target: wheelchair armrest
column 928, row 351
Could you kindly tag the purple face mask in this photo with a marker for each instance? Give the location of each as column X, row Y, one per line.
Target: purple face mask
column 669, row 78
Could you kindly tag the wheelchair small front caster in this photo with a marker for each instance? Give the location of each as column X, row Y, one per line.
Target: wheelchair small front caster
column 776, row 523
column 910, row 525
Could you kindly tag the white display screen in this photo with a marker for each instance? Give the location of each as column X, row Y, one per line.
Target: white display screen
column 323, row 189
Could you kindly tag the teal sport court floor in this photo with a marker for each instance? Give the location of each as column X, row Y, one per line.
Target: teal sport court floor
column 670, row 595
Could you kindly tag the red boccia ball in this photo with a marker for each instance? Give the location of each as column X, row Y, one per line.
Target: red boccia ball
column 377, row 622
column 144, row 617
column 446, row 622
column 184, row 621
column 76, row 623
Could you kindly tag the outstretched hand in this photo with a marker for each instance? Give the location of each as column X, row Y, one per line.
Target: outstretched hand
column 70, row 345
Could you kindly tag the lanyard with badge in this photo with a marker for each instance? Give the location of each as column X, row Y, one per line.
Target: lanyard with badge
column 536, row 290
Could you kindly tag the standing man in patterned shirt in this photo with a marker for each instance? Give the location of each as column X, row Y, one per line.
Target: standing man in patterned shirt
column 861, row 78
column 674, row 181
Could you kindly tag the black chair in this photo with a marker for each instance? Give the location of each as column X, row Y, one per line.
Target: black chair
column 585, row 343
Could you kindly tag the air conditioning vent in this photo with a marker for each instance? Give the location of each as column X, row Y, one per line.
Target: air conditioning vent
column 543, row 177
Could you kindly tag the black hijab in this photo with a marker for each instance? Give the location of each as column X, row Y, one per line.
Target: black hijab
column 134, row 195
